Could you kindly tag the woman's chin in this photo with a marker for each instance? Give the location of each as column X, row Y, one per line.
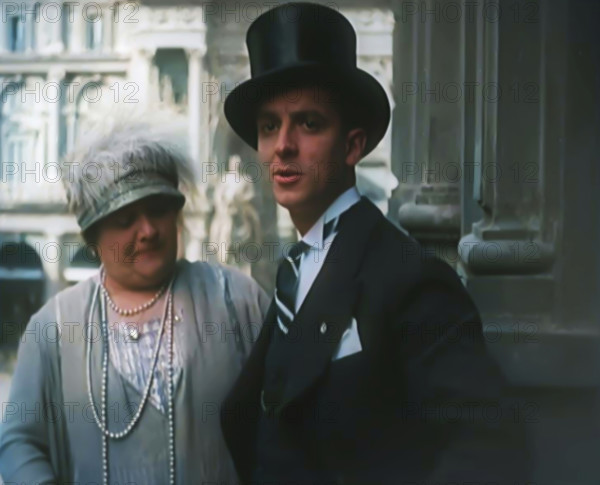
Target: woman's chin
column 153, row 271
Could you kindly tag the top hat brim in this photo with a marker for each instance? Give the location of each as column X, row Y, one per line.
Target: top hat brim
column 368, row 99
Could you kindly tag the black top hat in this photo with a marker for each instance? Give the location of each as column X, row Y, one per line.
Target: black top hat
column 299, row 43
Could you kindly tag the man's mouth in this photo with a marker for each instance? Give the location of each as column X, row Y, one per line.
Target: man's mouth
column 286, row 175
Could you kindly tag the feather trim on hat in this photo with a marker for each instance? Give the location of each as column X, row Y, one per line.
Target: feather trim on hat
column 121, row 145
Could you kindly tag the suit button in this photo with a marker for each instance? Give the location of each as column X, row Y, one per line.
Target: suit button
column 323, row 328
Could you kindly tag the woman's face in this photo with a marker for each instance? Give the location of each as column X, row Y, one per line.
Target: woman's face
column 138, row 243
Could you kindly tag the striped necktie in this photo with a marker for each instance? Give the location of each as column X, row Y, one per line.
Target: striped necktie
column 288, row 275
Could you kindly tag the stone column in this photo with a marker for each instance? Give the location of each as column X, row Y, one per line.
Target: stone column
column 374, row 28
column 227, row 66
column 77, row 40
column 3, row 37
column 508, row 250
column 55, row 80
column 197, row 110
column 30, row 28
column 56, row 45
column 139, row 69
column 108, row 26
column 509, row 178
column 428, row 146
column 70, row 114
column 55, row 76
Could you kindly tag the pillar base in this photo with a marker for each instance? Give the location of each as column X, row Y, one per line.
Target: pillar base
column 504, row 256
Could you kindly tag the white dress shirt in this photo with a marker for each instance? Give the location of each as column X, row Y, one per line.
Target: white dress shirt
column 312, row 259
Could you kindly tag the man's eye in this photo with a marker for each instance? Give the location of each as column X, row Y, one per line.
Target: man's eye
column 312, row 124
column 267, row 127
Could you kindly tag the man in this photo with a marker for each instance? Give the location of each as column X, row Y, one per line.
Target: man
column 371, row 366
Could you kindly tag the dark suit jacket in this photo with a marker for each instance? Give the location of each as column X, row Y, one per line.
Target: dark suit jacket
column 421, row 403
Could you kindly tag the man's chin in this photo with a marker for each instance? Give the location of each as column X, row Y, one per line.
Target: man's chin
column 288, row 199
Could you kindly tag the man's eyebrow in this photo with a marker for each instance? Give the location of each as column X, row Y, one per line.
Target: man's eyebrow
column 300, row 114
column 306, row 112
column 263, row 113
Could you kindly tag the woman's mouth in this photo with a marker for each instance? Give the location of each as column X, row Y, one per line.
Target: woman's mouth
column 146, row 253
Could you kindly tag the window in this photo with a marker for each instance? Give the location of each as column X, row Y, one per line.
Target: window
column 33, row 26
column 172, row 76
column 94, row 32
column 16, row 34
column 15, row 153
column 67, row 24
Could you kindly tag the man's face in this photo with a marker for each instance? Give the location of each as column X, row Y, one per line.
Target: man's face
column 301, row 140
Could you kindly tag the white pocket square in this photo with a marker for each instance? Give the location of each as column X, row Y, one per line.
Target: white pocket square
column 349, row 343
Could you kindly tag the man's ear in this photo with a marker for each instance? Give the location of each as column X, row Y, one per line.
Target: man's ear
column 355, row 145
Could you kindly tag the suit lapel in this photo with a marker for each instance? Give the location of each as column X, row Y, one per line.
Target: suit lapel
column 330, row 300
column 328, row 307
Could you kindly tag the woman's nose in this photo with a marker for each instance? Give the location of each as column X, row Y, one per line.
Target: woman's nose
column 147, row 228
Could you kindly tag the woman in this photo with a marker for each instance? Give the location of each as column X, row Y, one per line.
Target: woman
column 130, row 390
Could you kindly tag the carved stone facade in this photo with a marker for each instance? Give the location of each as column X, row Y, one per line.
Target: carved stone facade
column 64, row 67
column 83, row 59
column 490, row 160
column 495, row 144
column 374, row 28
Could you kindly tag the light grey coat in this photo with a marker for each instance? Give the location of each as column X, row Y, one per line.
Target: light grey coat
column 48, row 433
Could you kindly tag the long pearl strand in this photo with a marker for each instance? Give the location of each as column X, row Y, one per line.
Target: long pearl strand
column 128, row 312
column 102, row 421
column 171, row 393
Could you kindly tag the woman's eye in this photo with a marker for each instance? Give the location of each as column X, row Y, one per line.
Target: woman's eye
column 159, row 209
column 124, row 220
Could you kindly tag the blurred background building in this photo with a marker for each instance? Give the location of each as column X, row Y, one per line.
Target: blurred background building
column 491, row 162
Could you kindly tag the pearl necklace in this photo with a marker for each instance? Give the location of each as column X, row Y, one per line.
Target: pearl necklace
column 128, row 312
column 102, row 422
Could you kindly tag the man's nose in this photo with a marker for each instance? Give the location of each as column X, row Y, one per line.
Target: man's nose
column 286, row 142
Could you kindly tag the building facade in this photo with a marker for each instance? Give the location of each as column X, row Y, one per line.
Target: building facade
column 65, row 66
column 490, row 162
